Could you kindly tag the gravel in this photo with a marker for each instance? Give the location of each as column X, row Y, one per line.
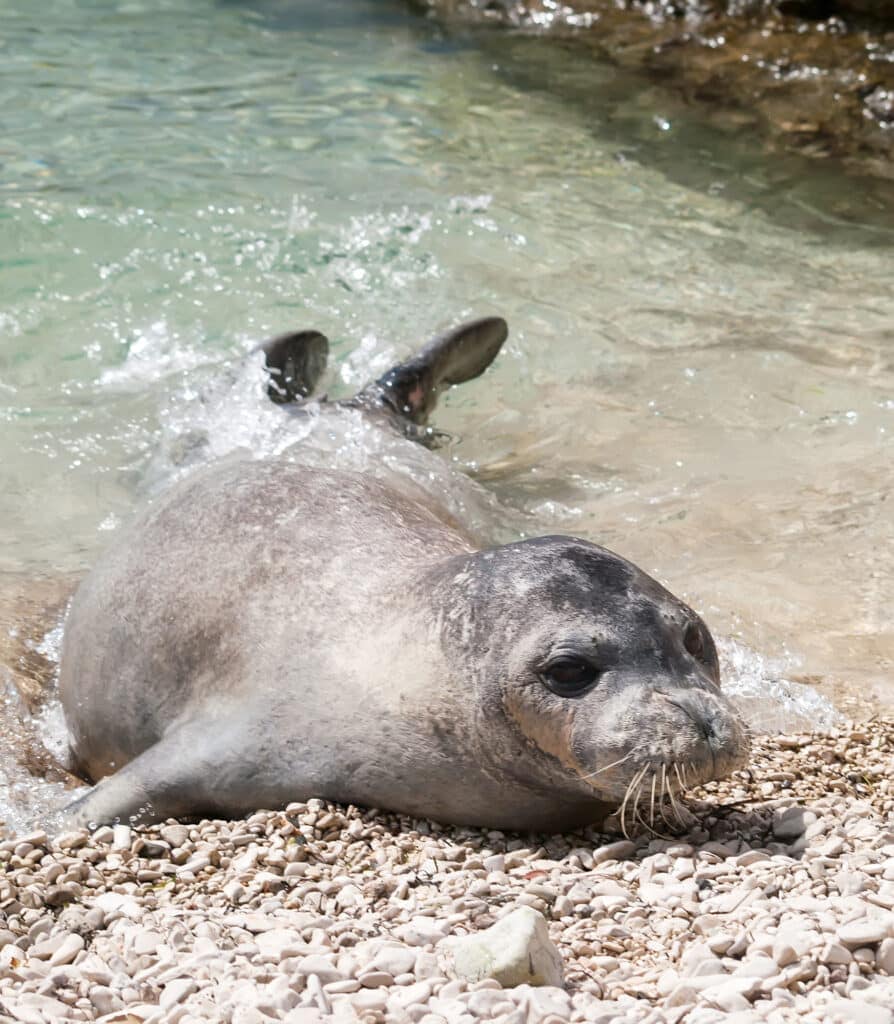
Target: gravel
column 776, row 904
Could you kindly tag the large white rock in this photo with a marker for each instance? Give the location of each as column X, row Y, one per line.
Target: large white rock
column 515, row 951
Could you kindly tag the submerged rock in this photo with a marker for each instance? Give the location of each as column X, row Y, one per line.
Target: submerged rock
column 817, row 76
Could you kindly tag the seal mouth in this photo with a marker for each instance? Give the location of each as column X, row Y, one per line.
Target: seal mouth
column 653, row 789
column 648, row 781
column 653, row 793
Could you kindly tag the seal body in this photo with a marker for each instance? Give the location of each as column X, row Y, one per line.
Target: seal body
column 271, row 630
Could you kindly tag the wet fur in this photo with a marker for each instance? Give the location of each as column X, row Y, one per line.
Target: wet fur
column 270, row 631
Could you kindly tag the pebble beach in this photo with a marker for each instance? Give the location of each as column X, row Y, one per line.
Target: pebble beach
column 773, row 901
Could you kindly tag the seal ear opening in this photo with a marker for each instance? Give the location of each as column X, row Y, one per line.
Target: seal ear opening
column 295, row 363
column 460, row 354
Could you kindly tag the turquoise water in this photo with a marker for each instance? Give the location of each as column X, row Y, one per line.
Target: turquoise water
column 700, row 370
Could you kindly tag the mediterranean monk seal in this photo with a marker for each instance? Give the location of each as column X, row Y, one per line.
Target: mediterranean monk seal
column 273, row 629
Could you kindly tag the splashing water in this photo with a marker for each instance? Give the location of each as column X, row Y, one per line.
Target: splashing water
column 767, row 701
column 698, row 373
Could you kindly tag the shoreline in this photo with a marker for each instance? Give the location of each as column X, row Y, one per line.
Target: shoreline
column 776, row 904
column 805, row 79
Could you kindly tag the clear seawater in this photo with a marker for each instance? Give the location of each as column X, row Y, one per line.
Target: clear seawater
column 700, row 371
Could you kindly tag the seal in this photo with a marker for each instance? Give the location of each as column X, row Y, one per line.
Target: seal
column 272, row 629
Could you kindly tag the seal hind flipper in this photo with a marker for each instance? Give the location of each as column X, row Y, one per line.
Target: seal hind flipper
column 294, row 363
column 411, row 389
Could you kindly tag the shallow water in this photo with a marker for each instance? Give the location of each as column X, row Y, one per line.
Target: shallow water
column 700, row 370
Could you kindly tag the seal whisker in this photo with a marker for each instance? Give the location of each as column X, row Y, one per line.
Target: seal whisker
column 665, row 787
column 639, row 788
column 678, row 814
column 638, row 817
column 623, row 811
column 636, row 796
column 652, row 801
column 679, row 776
column 650, row 827
column 630, row 787
column 614, row 764
column 671, row 797
column 636, row 804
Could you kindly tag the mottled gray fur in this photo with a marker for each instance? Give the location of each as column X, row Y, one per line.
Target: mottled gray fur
column 271, row 631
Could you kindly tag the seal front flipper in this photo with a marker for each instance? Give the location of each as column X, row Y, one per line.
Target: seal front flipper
column 411, row 389
column 181, row 775
column 294, row 362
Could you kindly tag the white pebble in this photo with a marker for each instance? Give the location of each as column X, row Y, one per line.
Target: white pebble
column 866, row 932
column 67, row 950
column 514, row 951
column 175, row 992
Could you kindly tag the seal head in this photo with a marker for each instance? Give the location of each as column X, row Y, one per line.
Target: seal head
column 611, row 681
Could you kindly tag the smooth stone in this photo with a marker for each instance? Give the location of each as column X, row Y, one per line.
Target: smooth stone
column 516, row 950
column 116, row 904
column 175, row 835
column 757, row 967
column 790, row 822
column 368, row 999
column 621, row 850
column 176, row 991
column 44, row 949
column 730, row 996
column 483, row 1003
column 422, row 931
column 548, row 1001
column 375, row 979
column 303, row 1015
column 855, row 1011
column 72, row 840
column 122, row 837
column 145, row 943
column 33, row 839
column 562, row 907
column 36, row 933
column 784, row 954
column 834, row 953
column 321, row 966
column 349, row 896
column 884, row 959
column 246, row 1015
column 152, row 849
column 395, row 960
column 334, row 988
column 866, row 932
column 67, row 951
column 279, row 944
column 103, row 999
column 684, row 994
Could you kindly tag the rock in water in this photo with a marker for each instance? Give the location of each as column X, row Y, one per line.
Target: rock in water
column 515, row 951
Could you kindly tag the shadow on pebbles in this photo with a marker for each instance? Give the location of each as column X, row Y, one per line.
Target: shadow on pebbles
column 777, row 904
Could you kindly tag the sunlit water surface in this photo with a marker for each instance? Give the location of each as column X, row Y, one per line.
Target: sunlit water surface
column 699, row 373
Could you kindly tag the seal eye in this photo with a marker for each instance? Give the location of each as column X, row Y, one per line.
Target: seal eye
column 693, row 641
column 569, row 677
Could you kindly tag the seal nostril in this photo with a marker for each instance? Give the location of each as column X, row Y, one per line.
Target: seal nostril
column 701, row 718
